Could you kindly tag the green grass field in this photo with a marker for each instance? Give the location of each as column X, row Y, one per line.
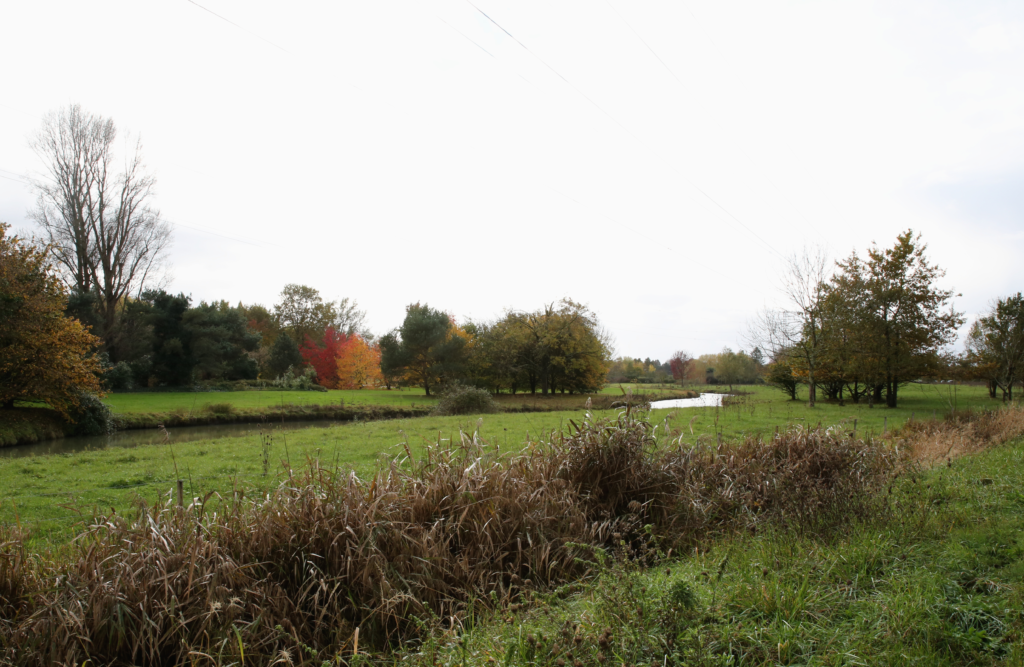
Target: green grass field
column 52, row 493
column 761, row 409
column 938, row 580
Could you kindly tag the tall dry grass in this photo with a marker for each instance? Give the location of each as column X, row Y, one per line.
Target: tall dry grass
column 291, row 576
column 936, row 441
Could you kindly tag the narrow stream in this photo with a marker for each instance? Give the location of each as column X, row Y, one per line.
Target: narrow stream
column 152, row 436
column 704, row 401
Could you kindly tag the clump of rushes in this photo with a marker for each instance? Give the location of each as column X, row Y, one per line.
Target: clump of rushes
column 458, row 530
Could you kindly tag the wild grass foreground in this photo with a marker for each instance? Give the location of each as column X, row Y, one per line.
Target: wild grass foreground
column 415, row 553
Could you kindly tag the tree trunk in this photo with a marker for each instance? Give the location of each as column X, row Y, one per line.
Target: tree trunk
column 811, row 389
column 890, row 393
column 8, row 404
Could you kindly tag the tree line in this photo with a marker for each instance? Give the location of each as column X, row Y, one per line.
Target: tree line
column 558, row 348
column 866, row 326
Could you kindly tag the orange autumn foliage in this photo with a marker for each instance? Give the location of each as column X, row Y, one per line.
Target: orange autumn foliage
column 359, row 364
column 44, row 355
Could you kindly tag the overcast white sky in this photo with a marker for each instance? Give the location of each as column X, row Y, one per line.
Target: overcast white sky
column 654, row 160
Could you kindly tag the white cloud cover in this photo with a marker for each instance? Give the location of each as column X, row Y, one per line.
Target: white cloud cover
column 651, row 159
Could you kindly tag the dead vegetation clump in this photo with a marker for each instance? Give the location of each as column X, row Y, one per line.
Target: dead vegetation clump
column 960, row 433
column 414, row 546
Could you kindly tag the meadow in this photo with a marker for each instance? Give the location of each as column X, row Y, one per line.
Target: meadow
column 759, row 409
column 813, row 548
column 53, row 496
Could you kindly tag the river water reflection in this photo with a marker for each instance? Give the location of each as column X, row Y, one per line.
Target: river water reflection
column 704, row 401
column 151, row 436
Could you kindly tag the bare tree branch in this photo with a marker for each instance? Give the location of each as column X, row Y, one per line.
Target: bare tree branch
column 105, row 237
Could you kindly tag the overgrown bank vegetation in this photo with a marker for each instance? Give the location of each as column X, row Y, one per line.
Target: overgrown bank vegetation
column 411, row 555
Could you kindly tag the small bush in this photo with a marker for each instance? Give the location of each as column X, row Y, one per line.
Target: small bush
column 219, row 408
column 119, row 377
column 460, row 399
column 306, row 381
column 91, row 416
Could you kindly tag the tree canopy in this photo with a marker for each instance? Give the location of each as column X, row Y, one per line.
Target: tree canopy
column 427, row 350
column 560, row 347
column 44, row 354
column 303, row 313
column 995, row 345
column 878, row 322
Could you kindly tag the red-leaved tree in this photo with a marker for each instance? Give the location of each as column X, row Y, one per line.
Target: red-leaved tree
column 323, row 356
column 680, row 364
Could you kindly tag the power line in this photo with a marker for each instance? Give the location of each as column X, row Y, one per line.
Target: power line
column 468, row 38
column 679, row 81
column 625, row 129
column 16, row 180
column 15, row 176
column 227, row 20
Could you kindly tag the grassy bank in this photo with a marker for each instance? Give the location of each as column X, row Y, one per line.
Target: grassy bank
column 26, row 425
column 151, row 410
column 227, row 408
column 227, row 413
column 166, row 402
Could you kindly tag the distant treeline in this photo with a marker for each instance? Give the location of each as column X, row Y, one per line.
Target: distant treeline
column 302, row 341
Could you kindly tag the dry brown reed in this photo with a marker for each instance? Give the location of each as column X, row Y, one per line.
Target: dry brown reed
column 961, row 433
column 300, row 570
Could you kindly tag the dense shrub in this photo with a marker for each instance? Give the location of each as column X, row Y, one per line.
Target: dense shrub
column 119, row 377
column 91, row 416
column 460, row 399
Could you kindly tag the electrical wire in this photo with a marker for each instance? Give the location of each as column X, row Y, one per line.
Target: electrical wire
column 15, row 176
column 681, row 86
column 626, row 130
column 227, row 20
